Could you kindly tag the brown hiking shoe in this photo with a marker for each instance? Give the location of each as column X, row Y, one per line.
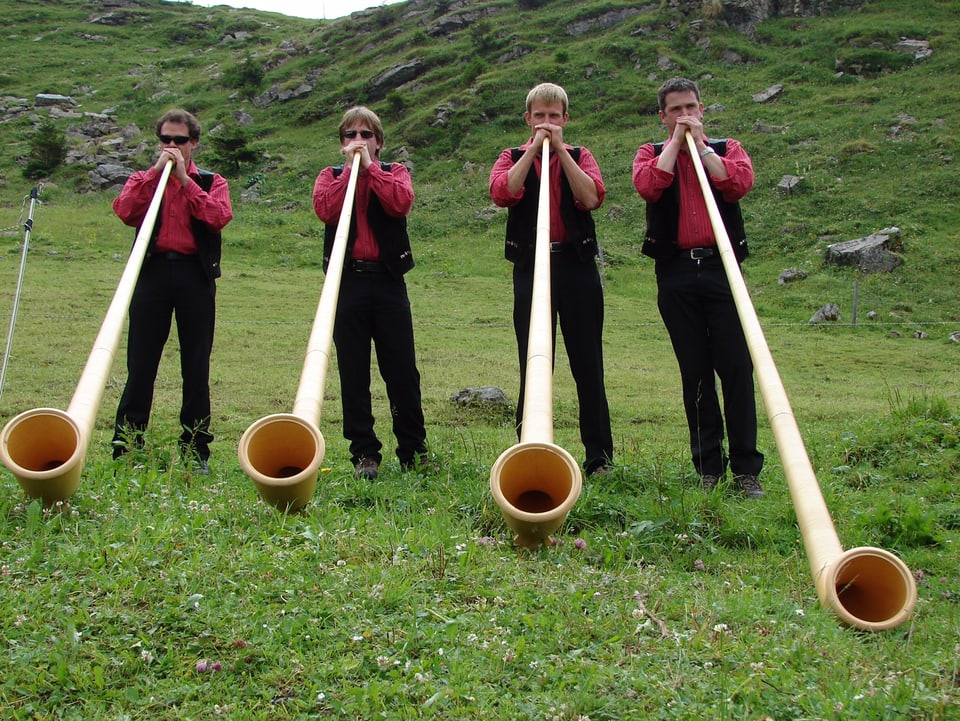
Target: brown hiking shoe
column 422, row 463
column 709, row 482
column 367, row 468
column 749, row 485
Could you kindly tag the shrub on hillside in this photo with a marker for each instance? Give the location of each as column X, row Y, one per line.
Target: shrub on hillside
column 48, row 148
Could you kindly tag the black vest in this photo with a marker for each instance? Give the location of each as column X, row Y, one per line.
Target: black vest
column 209, row 244
column 390, row 233
column 663, row 217
column 522, row 219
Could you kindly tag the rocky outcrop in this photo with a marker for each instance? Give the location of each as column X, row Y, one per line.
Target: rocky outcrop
column 875, row 253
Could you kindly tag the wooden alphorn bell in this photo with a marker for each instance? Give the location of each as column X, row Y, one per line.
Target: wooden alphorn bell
column 45, row 448
column 536, row 482
column 282, row 452
column 868, row 588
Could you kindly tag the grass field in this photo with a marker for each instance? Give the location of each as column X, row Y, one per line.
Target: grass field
column 157, row 594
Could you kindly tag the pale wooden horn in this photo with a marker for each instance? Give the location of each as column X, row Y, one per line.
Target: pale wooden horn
column 45, row 448
column 282, row 453
column 536, row 482
column 868, row 588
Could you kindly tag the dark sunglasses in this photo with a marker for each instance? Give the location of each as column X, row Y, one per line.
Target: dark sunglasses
column 365, row 134
column 178, row 139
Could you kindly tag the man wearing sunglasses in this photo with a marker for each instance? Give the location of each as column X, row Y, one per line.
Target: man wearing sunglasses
column 178, row 278
column 373, row 306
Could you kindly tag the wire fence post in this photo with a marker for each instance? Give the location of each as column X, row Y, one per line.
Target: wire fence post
column 856, row 302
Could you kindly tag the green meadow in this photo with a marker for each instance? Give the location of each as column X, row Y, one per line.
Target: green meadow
column 157, row 594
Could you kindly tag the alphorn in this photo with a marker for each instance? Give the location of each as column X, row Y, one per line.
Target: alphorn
column 45, row 448
column 282, row 452
column 868, row 588
column 536, row 482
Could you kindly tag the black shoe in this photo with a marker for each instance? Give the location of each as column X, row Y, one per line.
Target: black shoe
column 367, row 468
column 708, row 482
column 422, row 463
column 602, row 470
column 201, row 467
column 749, row 485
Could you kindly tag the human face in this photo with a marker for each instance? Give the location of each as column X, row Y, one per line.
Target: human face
column 358, row 129
column 680, row 104
column 178, row 130
column 542, row 113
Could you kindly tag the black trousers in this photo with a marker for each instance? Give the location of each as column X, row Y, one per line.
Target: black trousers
column 169, row 288
column 699, row 313
column 373, row 307
column 577, row 301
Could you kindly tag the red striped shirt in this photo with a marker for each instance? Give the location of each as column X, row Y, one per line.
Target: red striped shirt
column 502, row 196
column 694, row 227
column 393, row 188
column 180, row 204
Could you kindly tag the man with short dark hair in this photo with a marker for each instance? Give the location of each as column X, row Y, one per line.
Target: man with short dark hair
column 693, row 293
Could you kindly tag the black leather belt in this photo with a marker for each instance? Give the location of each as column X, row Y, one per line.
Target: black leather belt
column 700, row 253
column 367, row 266
column 559, row 247
column 172, row 255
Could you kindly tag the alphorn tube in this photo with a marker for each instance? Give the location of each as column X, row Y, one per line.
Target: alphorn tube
column 45, row 448
column 536, row 482
column 282, row 452
column 868, row 588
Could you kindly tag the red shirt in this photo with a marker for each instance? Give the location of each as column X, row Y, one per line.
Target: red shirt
column 180, row 204
column 694, row 228
column 392, row 187
column 504, row 198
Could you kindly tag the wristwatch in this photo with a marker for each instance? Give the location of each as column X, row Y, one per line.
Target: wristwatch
column 706, row 151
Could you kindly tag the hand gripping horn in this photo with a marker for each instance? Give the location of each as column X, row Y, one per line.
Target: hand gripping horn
column 281, row 453
column 45, row 448
column 536, row 482
column 868, row 588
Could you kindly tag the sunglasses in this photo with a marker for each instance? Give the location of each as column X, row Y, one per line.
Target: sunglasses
column 178, row 139
column 365, row 134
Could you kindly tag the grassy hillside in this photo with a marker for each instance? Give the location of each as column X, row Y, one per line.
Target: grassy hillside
column 875, row 149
